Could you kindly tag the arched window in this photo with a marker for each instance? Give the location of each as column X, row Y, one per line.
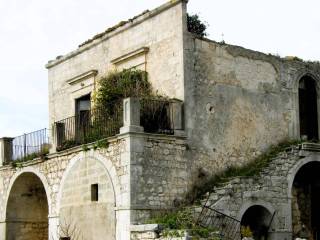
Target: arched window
column 308, row 110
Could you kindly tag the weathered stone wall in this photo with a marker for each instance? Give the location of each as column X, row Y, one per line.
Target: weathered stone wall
column 91, row 219
column 159, row 30
column 27, row 209
column 274, row 190
column 159, row 174
column 238, row 102
column 301, row 209
column 27, row 231
column 137, row 174
column 152, row 232
column 54, row 176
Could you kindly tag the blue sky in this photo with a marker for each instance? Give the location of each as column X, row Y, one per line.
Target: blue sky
column 35, row 31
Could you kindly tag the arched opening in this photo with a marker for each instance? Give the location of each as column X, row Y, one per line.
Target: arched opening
column 308, row 110
column 305, row 202
column 87, row 204
column 258, row 218
column 27, row 209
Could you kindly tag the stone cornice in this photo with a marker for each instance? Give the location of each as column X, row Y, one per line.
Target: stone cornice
column 81, row 77
column 127, row 56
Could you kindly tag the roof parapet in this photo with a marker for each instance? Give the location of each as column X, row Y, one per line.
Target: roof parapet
column 112, row 31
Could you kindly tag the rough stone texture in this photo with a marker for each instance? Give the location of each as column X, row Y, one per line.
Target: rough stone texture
column 238, row 102
column 272, row 189
column 55, row 169
column 136, row 173
column 152, row 232
column 159, row 174
column 27, row 209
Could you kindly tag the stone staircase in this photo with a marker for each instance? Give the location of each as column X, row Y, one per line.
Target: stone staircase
column 270, row 185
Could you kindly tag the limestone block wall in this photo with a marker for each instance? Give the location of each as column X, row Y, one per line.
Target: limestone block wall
column 156, row 36
column 137, row 174
column 238, row 102
column 90, row 217
column 57, row 172
column 27, row 209
column 159, row 175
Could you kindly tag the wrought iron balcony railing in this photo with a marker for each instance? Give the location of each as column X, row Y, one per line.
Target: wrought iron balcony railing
column 29, row 146
column 87, row 127
column 160, row 116
column 156, row 116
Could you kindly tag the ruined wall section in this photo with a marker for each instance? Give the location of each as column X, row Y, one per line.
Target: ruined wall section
column 159, row 31
column 238, row 102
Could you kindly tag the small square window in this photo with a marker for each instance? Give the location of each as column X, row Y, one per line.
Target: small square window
column 94, row 192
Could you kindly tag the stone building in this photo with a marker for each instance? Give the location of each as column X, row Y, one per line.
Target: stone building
column 229, row 104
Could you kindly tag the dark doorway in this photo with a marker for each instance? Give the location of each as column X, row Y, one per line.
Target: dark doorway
column 305, row 202
column 27, row 209
column 308, row 110
column 258, row 218
column 83, row 106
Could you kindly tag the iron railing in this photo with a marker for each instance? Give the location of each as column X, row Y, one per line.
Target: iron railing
column 156, row 116
column 29, row 146
column 227, row 226
column 89, row 126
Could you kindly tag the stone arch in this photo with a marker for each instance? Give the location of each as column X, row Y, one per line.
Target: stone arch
column 295, row 169
column 39, row 175
column 250, row 203
column 295, row 127
column 75, row 204
column 27, row 207
column 111, row 170
column 258, row 217
column 303, row 193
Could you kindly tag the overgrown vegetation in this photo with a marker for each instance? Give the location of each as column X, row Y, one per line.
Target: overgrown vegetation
column 183, row 219
column 206, row 183
column 133, row 83
column 246, row 232
column 196, row 26
column 119, row 85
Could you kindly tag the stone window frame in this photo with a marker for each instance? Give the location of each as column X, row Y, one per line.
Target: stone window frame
column 294, row 129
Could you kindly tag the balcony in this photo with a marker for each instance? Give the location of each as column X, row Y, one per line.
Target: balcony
column 156, row 116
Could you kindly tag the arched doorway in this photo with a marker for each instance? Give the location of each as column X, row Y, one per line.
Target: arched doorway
column 258, row 218
column 308, row 109
column 305, row 202
column 27, row 209
column 87, row 204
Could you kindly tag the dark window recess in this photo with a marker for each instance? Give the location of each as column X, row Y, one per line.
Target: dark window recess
column 65, row 238
column 94, row 192
column 308, row 110
column 83, row 106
